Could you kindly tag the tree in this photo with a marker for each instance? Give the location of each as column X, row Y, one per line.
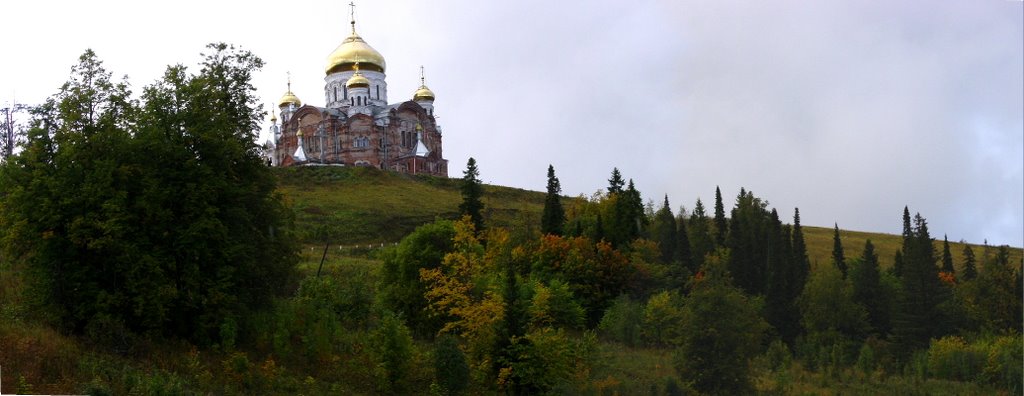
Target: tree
column 663, row 231
column 683, row 253
column 721, row 332
column 701, row 242
column 154, row 215
column 830, row 314
column 921, row 316
column 472, row 192
column 721, row 224
column 947, row 257
column 392, row 351
column 553, row 218
column 838, row 257
column 970, row 268
column 401, row 289
column 801, row 265
column 615, row 183
column 451, row 372
column 782, row 290
column 868, row 290
column 747, row 241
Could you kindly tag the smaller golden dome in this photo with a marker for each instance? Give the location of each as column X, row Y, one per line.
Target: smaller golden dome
column 289, row 97
column 423, row 93
column 273, row 116
column 358, row 81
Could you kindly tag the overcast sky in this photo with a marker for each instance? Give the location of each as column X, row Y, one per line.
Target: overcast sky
column 848, row 110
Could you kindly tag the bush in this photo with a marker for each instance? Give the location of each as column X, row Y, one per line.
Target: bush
column 621, row 322
column 662, row 322
column 1004, row 365
column 953, row 359
column 451, row 372
column 392, row 350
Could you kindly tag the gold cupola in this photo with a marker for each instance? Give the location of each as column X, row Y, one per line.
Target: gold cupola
column 357, row 80
column 289, row 97
column 354, row 50
column 423, row 93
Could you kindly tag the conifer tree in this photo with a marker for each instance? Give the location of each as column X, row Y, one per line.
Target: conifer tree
column 970, row 268
column 701, row 241
column 615, row 183
column 553, row 218
column 838, row 257
column 472, row 191
column 867, row 289
column 780, row 310
column 747, row 242
column 663, row 231
column 801, row 264
column 721, row 225
column 947, row 257
column 920, row 316
column 683, row 254
column 897, row 265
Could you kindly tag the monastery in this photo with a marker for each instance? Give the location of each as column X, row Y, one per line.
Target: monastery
column 357, row 126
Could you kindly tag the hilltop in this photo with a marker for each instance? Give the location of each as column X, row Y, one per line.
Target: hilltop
column 359, row 206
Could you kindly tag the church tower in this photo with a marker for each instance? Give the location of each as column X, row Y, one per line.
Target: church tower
column 352, row 56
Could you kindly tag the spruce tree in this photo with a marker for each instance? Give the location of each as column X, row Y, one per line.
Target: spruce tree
column 970, row 268
column 838, row 257
column 663, row 231
column 615, row 183
column 472, row 191
column 721, row 225
column 747, row 241
column 897, row 265
column 947, row 257
column 780, row 310
column 920, row 316
column 701, row 241
column 553, row 218
column 801, row 264
column 868, row 292
column 683, row 253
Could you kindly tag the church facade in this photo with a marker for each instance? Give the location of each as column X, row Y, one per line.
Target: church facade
column 357, row 126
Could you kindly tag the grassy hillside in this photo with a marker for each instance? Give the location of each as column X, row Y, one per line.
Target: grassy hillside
column 350, row 206
column 367, row 206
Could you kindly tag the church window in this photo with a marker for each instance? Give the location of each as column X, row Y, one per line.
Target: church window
column 335, row 93
column 344, row 93
column 378, row 92
column 352, row 101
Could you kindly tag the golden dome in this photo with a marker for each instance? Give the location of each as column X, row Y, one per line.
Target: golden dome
column 357, row 80
column 289, row 97
column 354, row 50
column 423, row 93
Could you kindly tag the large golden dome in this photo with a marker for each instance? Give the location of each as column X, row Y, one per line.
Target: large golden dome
column 354, row 50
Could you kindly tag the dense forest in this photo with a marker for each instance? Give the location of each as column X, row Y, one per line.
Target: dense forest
column 148, row 249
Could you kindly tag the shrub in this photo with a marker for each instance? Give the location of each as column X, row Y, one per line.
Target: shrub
column 621, row 322
column 451, row 372
column 1004, row 365
column 953, row 359
column 392, row 352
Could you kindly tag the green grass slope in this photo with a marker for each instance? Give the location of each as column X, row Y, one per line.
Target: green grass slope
column 359, row 206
